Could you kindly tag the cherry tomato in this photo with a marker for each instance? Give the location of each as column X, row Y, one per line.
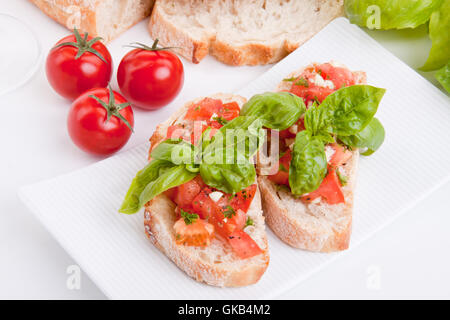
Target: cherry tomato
column 76, row 64
column 150, row 77
column 100, row 121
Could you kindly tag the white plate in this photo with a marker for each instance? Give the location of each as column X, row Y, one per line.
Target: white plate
column 80, row 208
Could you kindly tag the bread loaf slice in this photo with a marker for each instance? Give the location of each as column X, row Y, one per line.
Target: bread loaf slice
column 103, row 18
column 216, row 264
column 315, row 226
column 240, row 32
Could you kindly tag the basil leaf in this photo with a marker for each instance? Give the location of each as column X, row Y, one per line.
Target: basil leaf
column 227, row 176
column 151, row 171
column 440, row 38
column 308, row 165
column 390, row 14
column 443, row 76
column 242, row 135
column 353, row 108
column 318, row 120
column 278, row 110
column 169, row 178
column 176, row 151
column 371, row 138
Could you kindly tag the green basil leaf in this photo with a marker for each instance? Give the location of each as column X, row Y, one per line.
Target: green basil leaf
column 308, row 165
column 443, row 76
column 390, row 14
column 371, row 138
column 228, row 177
column 278, row 110
column 440, row 37
column 353, row 108
column 176, row 151
column 242, row 135
column 151, row 171
column 169, row 178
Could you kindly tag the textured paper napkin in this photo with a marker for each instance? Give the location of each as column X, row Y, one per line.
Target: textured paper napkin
column 80, row 208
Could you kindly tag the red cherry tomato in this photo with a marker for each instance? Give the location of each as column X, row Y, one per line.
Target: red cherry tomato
column 100, row 128
column 77, row 64
column 150, row 77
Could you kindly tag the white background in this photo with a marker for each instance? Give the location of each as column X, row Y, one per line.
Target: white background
column 410, row 257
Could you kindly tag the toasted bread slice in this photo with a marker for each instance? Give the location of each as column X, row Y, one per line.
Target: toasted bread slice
column 315, row 226
column 216, row 264
column 103, row 18
column 240, row 32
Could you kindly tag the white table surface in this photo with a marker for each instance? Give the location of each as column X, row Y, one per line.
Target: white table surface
column 408, row 259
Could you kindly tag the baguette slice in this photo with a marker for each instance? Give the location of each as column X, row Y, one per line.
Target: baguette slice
column 316, row 226
column 240, row 32
column 102, row 18
column 216, row 264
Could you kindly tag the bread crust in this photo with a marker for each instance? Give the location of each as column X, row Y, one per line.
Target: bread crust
column 251, row 53
column 85, row 12
column 164, row 239
column 327, row 231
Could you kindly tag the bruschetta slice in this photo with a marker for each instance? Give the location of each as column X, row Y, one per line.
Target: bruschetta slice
column 215, row 237
column 319, row 220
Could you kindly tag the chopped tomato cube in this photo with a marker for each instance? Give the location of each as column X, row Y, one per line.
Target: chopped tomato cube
column 204, row 109
column 311, row 93
column 229, row 111
column 339, row 76
column 185, row 194
column 282, row 176
column 243, row 245
column 176, row 132
column 243, row 199
column 198, row 233
column 203, row 205
column 340, row 155
column 330, row 189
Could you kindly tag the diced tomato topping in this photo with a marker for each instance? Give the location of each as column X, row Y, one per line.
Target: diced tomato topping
column 198, row 233
column 204, row 206
column 339, row 76
column 341, row 155
column 176, row 132
column 330, row 189
column 215, row 124
column 282, row 176
column 229, row 111
column 244, row 246
column 309, row 91
column 243, row 199
column 185, row 194
column 204, row 109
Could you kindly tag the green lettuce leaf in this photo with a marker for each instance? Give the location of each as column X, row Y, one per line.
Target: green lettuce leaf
column 390, row 14
column 308, row 165
column 440, row 37
column 443, row 76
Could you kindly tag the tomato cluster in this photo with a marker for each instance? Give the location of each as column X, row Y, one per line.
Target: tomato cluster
column 101, row 120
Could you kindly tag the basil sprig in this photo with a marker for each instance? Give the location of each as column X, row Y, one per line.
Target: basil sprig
column 348, row 115
column 223, row 161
